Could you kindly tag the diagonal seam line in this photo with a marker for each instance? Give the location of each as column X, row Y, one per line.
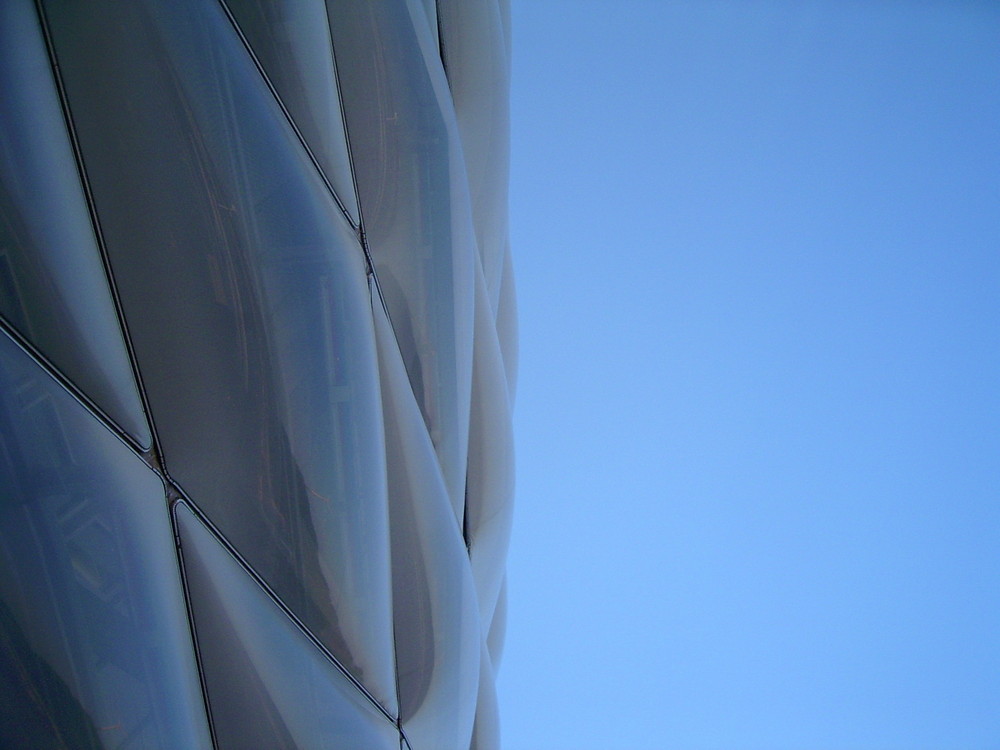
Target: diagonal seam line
column 265, row 587
column 347, row 141
column 173, row 489
column 75, row 392
column 374, row 291
column 440, row 36
column 362, row 234
column 155, row 452
column 287, row 114
column 152, row 458
column 169, row 493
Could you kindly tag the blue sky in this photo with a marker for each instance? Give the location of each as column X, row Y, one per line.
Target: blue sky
column 758, row 421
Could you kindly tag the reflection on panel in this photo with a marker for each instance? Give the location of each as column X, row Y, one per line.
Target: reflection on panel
column 434, row 600
column 53, row 289
column 268, row 685
column 95, row 649
column 341, row 433
column 246, row 295
column 415, row 207
column 291, row 39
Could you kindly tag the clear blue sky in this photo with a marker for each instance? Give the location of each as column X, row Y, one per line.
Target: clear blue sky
column 758, row 421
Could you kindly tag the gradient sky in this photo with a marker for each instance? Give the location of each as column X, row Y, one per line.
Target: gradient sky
column 758, row 420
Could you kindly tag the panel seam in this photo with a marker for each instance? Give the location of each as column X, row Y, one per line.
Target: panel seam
column 288, row 117
column 154, row 455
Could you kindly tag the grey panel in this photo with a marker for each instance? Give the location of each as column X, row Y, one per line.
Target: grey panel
column 53, row 288
column 268, row 684
column 95, row 648
column 247, row 299
column 434, row 598
column 489, row 489
column 415, row 207
column 291, row 40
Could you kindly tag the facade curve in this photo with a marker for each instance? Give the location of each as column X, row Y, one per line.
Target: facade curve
column 257, row 365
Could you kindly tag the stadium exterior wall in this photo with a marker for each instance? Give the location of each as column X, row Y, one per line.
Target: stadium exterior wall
column 257, row 365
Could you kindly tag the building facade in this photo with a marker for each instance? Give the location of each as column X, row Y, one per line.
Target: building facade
column 256, row 372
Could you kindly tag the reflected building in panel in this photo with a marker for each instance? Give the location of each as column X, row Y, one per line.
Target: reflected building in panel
column 256, row 371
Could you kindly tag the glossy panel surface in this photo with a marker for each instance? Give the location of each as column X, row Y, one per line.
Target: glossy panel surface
column 291, row 40
column 415, row 207
column 246, row 295
column 434, row 599
column 339, row 431
column 53, row 288
column 269, row 686
column 95, row 648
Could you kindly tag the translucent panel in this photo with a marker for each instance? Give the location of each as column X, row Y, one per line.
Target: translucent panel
column 490, row 488
column 292, row 42
column 434, row 599
column 268, row 685
column 95, row 647
column 248, row 303
column 476, row 58
column 53, row 289
column 415, row 207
